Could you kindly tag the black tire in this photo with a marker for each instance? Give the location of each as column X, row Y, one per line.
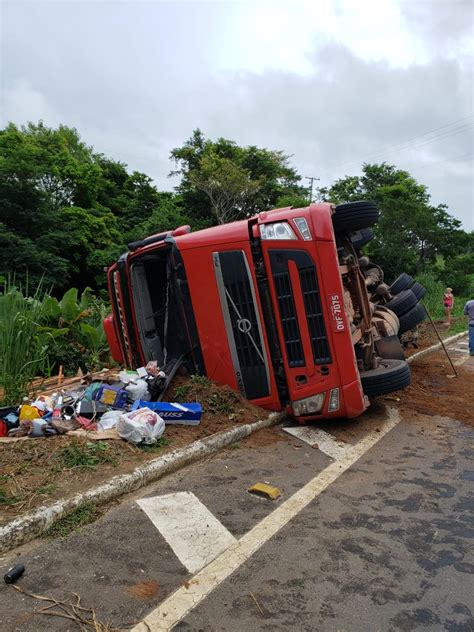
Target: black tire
column 403, row 282
column 412, row 318
column 418, row 290
column 392, row 375
column 362, row 237
column 354, row 216
column 402, row 302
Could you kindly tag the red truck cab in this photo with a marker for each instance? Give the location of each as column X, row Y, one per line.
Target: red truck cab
column 259, row 304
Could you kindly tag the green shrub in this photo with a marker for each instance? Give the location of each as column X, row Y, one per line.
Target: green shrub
column 39, row 333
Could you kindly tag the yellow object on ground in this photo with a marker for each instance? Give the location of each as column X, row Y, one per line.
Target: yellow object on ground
column 28, row 413
column 262, row 489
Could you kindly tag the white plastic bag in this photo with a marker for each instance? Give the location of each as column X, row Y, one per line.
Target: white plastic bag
column 109, row 420
column 138, row 389
column 140, row 426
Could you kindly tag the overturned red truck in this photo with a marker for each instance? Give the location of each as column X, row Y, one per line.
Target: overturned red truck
column 283, row 307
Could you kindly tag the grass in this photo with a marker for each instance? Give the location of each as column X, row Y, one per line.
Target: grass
column 221, row 402
column 154, row 447
column 86, row 456
column 74, row 520
column 6, row 499
column 182, row 392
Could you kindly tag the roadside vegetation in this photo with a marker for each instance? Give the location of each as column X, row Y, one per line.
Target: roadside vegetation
column 67, row 212
column 39, row 333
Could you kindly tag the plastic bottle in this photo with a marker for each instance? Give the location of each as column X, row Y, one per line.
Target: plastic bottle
column 14, row 573
column 58, row 404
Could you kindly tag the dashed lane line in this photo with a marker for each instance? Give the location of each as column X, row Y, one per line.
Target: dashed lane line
column 192, row 531
column 173, row 609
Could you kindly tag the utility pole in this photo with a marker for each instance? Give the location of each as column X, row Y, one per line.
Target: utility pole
column 311, row 180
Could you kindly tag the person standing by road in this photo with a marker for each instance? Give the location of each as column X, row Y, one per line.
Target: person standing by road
column 448, row 303
column 469, row 312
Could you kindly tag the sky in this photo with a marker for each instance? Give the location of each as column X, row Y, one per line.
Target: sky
column 332, row 83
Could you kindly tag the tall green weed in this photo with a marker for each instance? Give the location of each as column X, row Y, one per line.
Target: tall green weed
column 38, row 333
column 23, row 352
column 433, row 298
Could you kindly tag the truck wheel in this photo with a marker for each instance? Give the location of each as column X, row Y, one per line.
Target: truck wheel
column 392, row 375
column 403, row 282
column 355, row 216
column 390, row 347
column 362, row 237
column 402, row 302
column 390, row 318
column 418, row 290
column 412, row 318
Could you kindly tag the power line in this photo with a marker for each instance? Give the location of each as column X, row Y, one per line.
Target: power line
column 437, row 162
column 416, row 142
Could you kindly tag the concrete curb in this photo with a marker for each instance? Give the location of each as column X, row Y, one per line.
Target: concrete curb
column 27, row 527
column 437, row 346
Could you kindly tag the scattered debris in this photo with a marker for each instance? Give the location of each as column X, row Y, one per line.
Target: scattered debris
column 256, row 603
column 14, row 573
column 85, row 618
column 38, row 470
column 267, row 491
column 102, row 402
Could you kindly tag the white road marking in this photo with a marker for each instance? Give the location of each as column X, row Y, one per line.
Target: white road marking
column 458, row 349
column 182, row 601
column 191, row 530
column 315, row 436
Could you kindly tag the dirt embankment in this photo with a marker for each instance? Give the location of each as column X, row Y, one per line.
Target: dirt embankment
column 38, row 471
column 434, row 391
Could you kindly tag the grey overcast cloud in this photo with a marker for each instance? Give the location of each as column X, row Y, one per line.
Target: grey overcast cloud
column 333, row 83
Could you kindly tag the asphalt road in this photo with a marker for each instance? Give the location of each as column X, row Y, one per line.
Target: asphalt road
column 388, row 545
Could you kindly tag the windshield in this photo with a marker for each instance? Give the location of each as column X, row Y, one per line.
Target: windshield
column 157, row 312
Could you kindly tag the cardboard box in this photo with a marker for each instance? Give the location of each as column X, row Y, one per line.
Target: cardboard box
column 174, row 413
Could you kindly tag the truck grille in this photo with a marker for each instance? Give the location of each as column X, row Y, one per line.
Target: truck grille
column 286, row 305
column 314, row 314
column 289, row 321
column 244, row 331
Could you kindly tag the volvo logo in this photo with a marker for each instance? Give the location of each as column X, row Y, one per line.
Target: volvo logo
column 244, row 325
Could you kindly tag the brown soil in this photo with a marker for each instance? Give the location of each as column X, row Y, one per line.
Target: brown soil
column 33, row 472
column 144, row 590
column 432, row 392
column 427, row 336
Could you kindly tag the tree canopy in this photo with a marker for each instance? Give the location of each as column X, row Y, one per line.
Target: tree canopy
column 411, row 233
column 66, row 212
column 222, row 181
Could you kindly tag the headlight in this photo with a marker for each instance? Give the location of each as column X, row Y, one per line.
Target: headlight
column 302, row 226
column 333, row 400
column 308, row 405
column 277, row 230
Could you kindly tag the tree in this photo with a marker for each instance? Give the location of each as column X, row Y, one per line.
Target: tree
column 65, row 211
column 411, row 232
column 220, row 179
column 228, row 186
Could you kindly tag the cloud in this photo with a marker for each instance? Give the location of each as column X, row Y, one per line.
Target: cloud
column 22, row 102
column 136, row 79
